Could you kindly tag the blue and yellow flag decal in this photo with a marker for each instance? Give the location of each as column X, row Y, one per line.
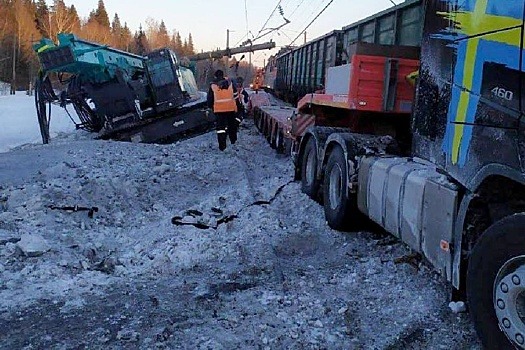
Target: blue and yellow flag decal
column 481, row 31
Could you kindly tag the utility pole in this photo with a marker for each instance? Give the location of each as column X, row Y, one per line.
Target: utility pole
column 227, row 56
column 13, row 80
column 305, row 36
column 30, row 90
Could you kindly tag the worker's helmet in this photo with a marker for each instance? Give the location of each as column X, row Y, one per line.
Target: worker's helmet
column 219, row 74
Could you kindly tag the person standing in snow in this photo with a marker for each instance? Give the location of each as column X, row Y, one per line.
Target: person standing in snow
column 242, row 100
column 222, row 96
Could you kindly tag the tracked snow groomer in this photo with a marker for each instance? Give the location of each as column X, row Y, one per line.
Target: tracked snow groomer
column 118, row 94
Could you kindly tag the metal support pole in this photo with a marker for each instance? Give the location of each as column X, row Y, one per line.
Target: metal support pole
column 13, row 80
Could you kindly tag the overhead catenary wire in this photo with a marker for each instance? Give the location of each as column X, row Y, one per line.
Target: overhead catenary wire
column 309, row 12
column 303, row 12
column 298, row 5
column 313, row 20
column 269, row 17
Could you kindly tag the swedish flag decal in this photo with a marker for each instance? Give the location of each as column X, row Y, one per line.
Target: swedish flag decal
column 481, row 31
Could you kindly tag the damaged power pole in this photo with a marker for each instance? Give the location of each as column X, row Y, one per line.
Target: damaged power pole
column 218, row 54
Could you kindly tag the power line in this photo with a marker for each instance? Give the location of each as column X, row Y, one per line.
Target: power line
column 300, row 3
column 306, row 15
column 268, row 20
column 302, row 8
column 313, row 20
column 286, row 35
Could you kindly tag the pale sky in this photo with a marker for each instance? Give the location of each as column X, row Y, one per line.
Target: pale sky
column 208, row 20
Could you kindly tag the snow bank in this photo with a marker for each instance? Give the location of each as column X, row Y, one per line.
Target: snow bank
column 4, row 88
column 19, row 124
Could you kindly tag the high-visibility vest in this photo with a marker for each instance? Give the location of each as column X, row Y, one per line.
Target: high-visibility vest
column 223, row 100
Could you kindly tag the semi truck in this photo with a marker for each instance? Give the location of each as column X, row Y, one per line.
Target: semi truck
column 442, row 170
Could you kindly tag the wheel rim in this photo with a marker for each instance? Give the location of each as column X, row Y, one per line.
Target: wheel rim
column 335, row 187
column 509, row 300
column 310, row 167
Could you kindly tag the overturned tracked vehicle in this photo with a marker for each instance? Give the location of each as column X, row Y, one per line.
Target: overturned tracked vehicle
column 117, row 94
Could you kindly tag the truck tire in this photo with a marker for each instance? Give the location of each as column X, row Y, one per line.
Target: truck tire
column 337, row 206
column 309, row 182
column 496, row 284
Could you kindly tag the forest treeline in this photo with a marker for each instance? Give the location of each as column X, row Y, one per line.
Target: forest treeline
column 24, row 22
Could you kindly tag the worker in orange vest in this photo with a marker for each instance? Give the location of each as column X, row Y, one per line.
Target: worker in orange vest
column 258, row 80
column 222, row 97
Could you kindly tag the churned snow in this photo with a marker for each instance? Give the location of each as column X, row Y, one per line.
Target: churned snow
column 90, row 257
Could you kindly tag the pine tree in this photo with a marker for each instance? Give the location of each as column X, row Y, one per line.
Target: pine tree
column 75, row 19
column 178, row 44
column 116, row 27
column 116, row 33
column 126, row 37
column 97, row 27
column 101, row 15
column 163, row 36
column 42, row 18
column 141, row 42
column 191, row 49
column 185, row 48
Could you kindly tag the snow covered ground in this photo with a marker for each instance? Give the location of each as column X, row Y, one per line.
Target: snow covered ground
column 19, row 123
column 250, row 265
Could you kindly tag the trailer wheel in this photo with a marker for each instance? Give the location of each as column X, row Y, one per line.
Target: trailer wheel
column 279, row 141
column 309, row 182
column 256, row 119
column 273, row 137
column 259, row 122
column 337, row 206
column 496, row 284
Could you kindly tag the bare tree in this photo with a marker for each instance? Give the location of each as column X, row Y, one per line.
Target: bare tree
column 60, row 19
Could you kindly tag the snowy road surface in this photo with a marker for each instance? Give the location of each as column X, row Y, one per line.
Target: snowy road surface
column 260, row 269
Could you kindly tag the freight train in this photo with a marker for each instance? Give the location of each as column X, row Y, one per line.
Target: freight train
column 302, row 70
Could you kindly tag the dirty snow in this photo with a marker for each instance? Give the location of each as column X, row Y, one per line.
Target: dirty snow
column 251, row 265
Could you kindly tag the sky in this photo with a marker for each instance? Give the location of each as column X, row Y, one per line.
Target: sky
column 208, row 21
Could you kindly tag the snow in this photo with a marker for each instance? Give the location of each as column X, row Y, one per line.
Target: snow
column 273, row 276
column 19, row 121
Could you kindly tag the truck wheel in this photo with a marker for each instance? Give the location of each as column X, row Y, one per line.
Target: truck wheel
column 496, row 284
column 337, row 206
column 309, row 182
